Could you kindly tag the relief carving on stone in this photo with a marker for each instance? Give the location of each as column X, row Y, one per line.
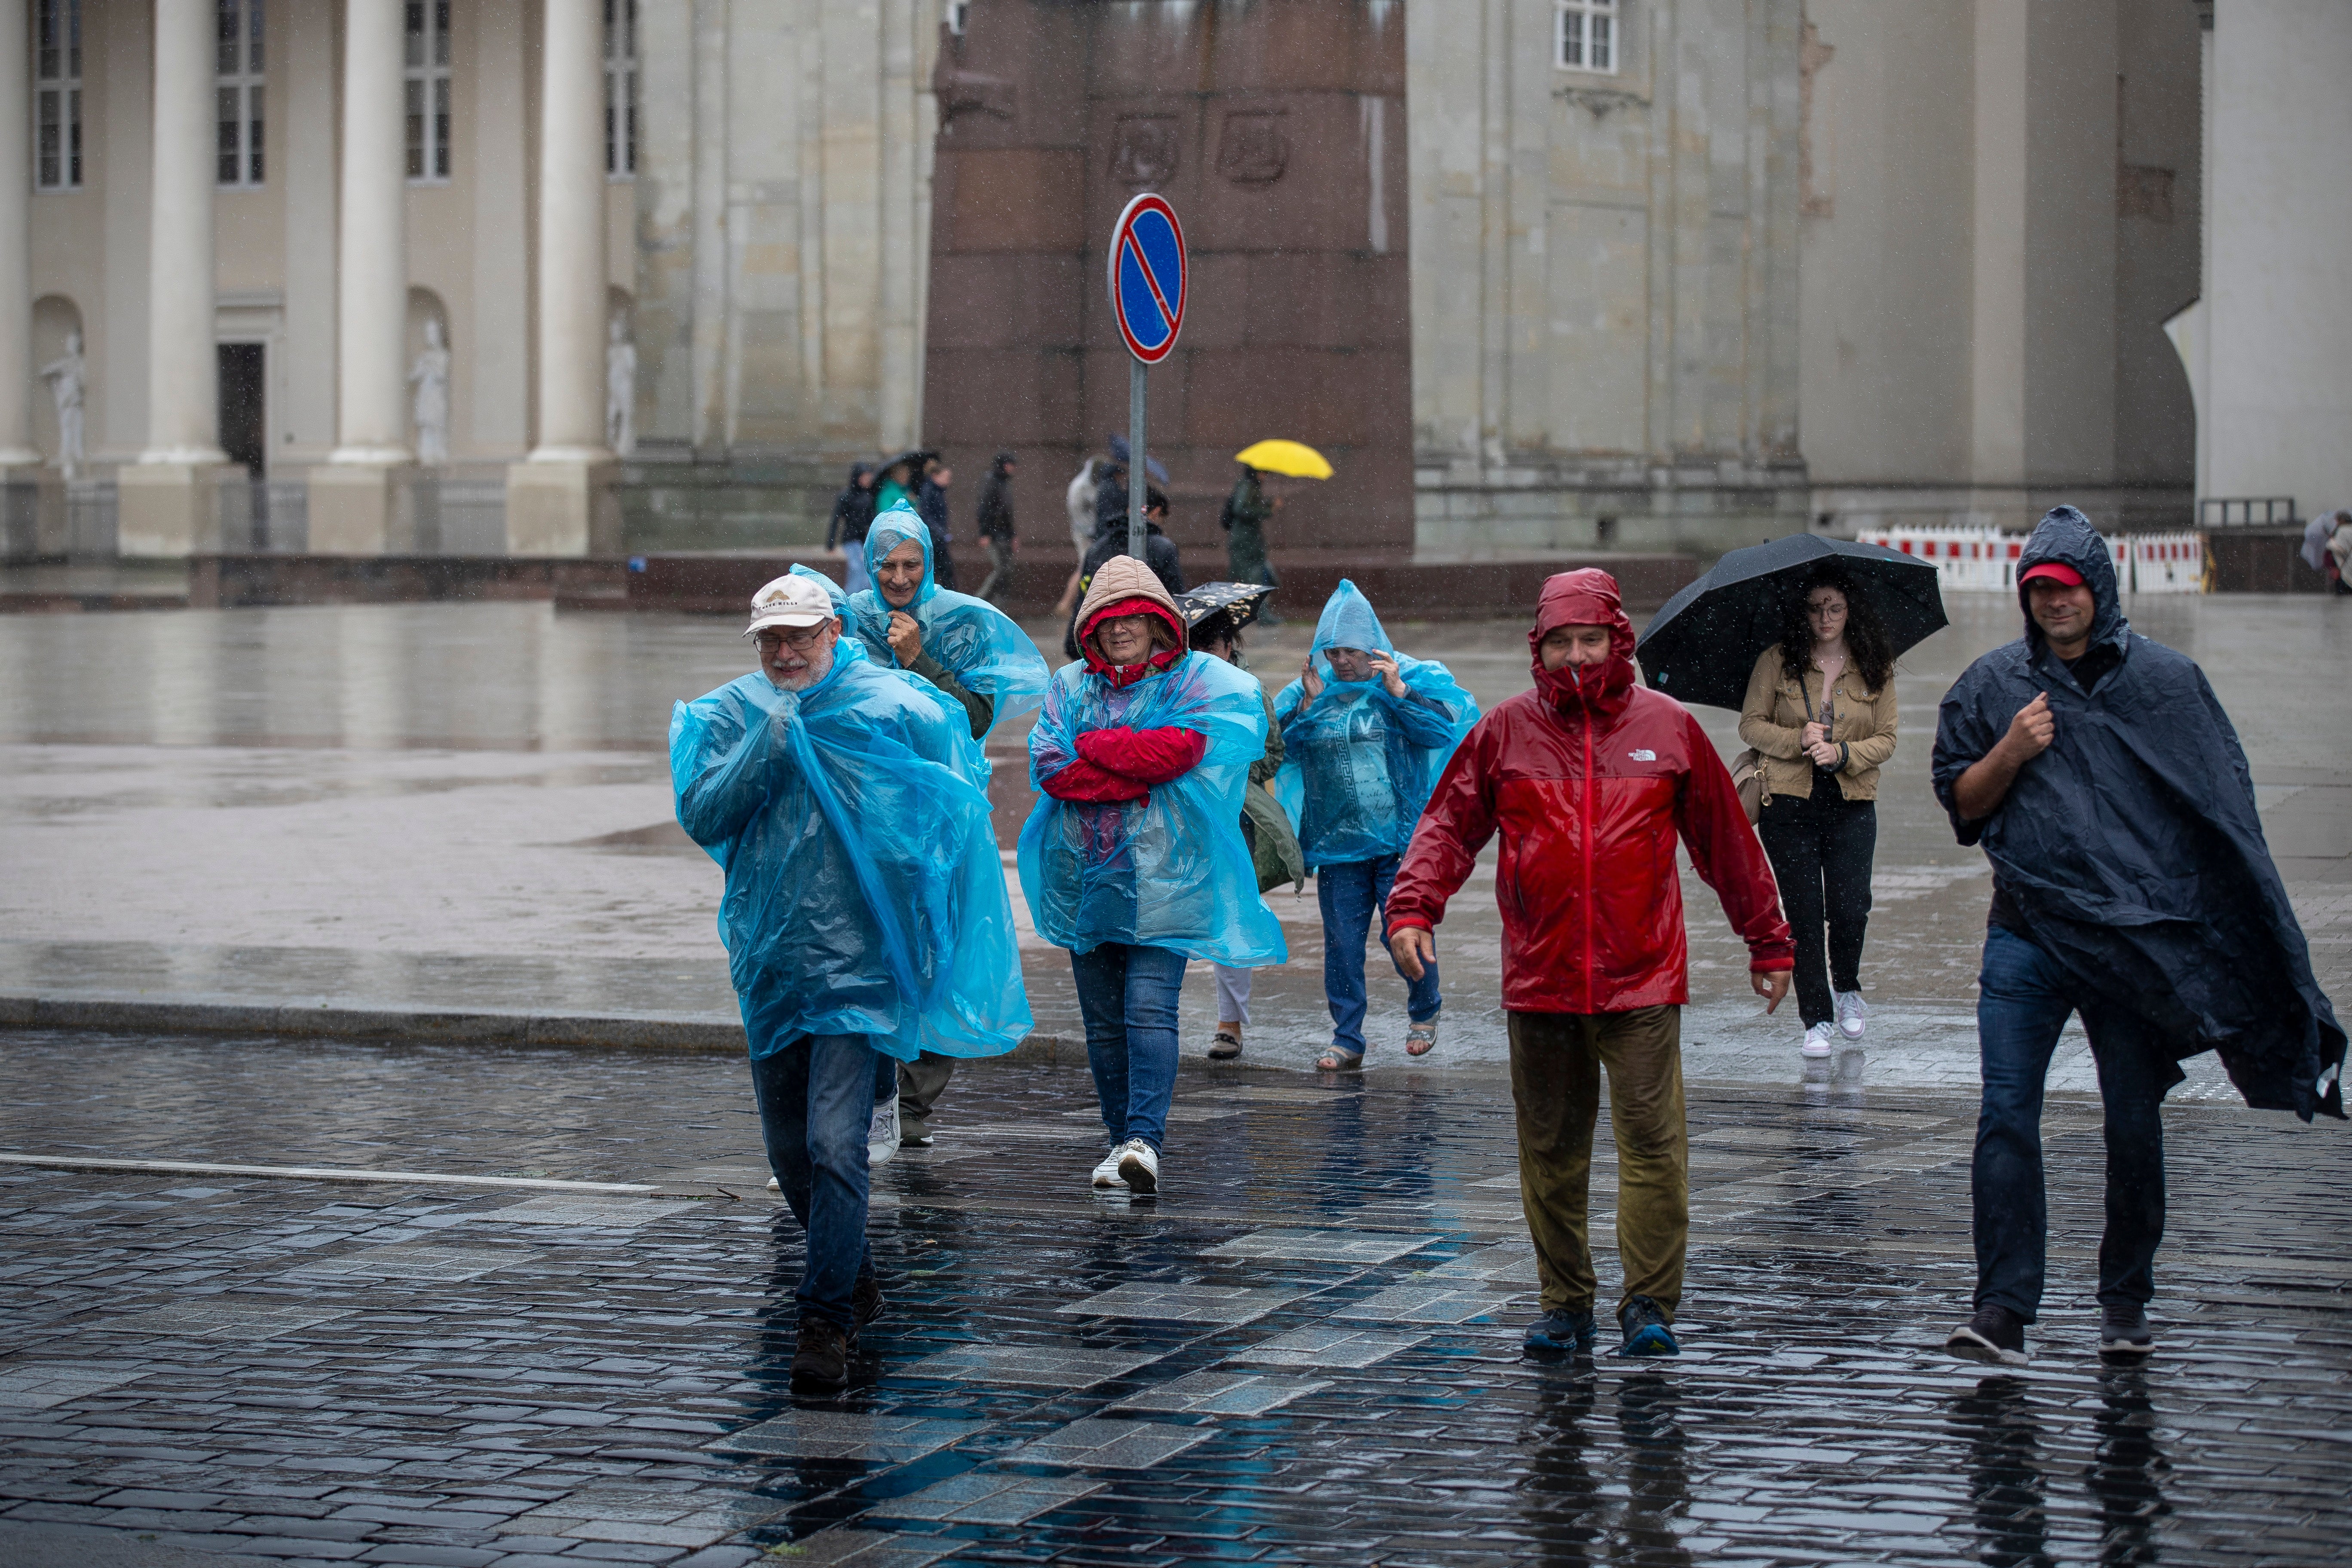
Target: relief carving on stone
column 1144, row 150
column 1251, row 149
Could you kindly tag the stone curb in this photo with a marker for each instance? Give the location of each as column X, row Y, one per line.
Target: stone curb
column 447, row 1025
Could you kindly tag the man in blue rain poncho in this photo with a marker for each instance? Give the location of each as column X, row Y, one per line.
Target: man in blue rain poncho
column 973, row 652
column 1365, row 732
column 865, row 913
column 1134, row 858
column 2130, row 883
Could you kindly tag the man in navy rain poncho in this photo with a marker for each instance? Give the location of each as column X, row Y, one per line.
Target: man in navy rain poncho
column 2131, row 883
column 1365, row 732
column 865, row 915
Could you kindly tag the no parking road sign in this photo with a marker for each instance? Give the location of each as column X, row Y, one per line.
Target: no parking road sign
column 1148, row 274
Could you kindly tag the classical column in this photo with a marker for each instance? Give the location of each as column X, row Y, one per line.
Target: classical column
column 559, row 502
column 16, row 242
column 170, row 501
column 362, row 501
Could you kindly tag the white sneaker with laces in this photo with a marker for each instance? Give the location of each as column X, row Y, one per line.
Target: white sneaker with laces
column 882, row 1134
column 1138, row 1162
column 1107, row 1173
column 1853, row 1014
column 1817, row 1041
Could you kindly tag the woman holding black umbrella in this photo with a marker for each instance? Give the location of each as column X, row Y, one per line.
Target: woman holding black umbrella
column 1819, row 711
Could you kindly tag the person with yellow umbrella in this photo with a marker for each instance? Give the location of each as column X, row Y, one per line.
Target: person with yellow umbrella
column 1249, row 508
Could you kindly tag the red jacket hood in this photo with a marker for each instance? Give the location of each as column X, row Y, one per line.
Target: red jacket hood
column 1120, row 675
column 1585, row 597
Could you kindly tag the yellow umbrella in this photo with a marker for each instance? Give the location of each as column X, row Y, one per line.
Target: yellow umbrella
column 1292, row 460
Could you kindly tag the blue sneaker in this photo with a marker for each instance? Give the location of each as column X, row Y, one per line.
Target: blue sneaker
column 1646, row 1330
column 1560, row 1333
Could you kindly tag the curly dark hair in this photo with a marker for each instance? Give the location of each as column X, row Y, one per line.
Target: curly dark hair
column 1865, row 637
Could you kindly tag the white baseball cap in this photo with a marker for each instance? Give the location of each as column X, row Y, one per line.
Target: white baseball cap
column 790, row 601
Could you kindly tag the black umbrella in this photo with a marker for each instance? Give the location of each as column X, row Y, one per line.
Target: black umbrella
column 1704, row 645
column 1237, row 603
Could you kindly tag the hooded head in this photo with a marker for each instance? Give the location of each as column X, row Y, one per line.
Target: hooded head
column 1585, row 597
column 1347, row 620
column 1123, row 585
column 890, row 529
column 858, row 471
column 2066, row 538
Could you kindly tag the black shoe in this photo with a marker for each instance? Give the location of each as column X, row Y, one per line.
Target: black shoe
column 2123, row 1334
column 911, row 1135
column 1560, row 1333
column 1647, row 1333
column 865, row 1303
column 1995, row 1334
column 823, row 1359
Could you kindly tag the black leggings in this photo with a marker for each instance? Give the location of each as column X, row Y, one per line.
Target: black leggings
column 1821, row 848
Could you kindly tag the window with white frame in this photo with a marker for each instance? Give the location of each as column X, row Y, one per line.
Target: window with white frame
column 56, row 95
column 620, row 89
column 427, row 62
column 237, row 91
column 1585, row 35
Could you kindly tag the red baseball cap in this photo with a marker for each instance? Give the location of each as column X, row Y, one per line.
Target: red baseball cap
column 2057, row 571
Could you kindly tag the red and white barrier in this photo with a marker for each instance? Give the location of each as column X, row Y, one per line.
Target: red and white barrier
column 1984, row 560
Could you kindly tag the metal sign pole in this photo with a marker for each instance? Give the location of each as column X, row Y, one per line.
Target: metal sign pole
column 1139, row 476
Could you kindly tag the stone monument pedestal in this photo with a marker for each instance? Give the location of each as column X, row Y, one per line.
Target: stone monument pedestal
column 32, row 513
column 363, row 508
column 564, row 507
column 172, row 510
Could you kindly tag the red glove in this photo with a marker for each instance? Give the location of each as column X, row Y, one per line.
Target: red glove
column 1153, row 756
column 1081, row 780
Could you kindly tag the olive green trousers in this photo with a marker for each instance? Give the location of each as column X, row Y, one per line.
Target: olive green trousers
column 1557, row 1060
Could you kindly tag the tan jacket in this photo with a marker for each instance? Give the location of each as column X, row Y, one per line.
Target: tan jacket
column 1773, row 718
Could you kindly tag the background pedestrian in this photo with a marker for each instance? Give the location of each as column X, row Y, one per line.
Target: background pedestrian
column 1365, row 732
column 1218, row 611
column 1820, row 712
column 1078, row 502
column 1133, row 858
column 931, row 506
column 853, row 511
column 995, row 524
column 1110, row 541
column 1247, row 509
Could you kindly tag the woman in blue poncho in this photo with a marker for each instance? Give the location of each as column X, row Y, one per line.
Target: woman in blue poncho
column 1134, row 858
column 1365, row 732
column 972, row 651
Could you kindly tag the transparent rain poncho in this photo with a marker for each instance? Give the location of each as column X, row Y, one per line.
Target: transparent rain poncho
column 1358, row 764
column 974, row 641
column 865, row 892
column 1169, row 871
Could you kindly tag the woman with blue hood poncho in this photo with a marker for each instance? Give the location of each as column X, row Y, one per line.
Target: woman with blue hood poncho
column 865, row 914
column 1134, row 858
column 1365, row 732
column 972, row 651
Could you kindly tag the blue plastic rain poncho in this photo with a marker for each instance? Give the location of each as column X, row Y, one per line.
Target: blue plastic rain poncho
column 864, row 893
column 1358, row 764
column 972, row 639
column 1171, row 871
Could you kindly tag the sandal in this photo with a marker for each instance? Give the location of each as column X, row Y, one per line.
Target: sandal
column 1225, row 1046
column 1337, row 1060
column 1421, row 1038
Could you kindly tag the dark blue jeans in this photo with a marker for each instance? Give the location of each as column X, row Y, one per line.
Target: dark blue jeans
column 1348, row 893
column 815, row 1096
column 1127, row 998
column 2024, row 1002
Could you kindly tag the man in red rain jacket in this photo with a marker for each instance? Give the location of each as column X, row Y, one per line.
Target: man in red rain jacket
column 1589, row 779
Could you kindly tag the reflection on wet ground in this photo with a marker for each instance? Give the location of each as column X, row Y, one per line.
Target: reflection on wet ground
column 1305, row 1352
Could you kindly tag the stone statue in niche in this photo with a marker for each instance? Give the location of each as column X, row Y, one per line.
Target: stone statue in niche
column 621, row 388
column 66, row 376
column 1253, row 151
column 430, row 376
column 1144, row 152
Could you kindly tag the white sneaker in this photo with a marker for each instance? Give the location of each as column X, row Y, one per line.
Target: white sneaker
column 1138, row 1162
column 882, row 1134
column 1853, row 1014
column 1817, row 1041
column 774, row 1186
column 1107, row 1173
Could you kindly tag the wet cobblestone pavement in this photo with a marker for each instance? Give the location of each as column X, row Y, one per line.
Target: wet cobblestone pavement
column 1305, row 1352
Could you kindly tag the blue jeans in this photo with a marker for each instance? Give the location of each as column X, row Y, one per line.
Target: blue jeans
column 1348, row 893
column 2024, row 1001
column 1127, row 998
column 815, row 1096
